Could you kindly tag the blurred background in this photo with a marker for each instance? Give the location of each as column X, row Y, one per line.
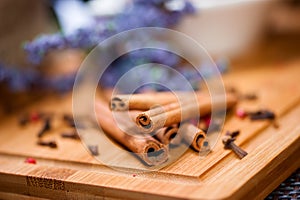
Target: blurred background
column 237, row 31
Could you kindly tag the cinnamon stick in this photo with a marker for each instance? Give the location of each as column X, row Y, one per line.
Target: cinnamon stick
column 169, row 135
column 152, row 120
column 145, row 118
column 143, row 101
column 147, row 148
column 193, row 135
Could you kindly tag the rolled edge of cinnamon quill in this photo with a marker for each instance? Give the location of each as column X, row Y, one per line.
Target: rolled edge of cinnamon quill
column 151, row 120
column 143, row 101
column 144, row 119
column 120, row 103
column 155, row 154
column 148, row 124
column 149, row 150
column 193, row 135
column 169, row 135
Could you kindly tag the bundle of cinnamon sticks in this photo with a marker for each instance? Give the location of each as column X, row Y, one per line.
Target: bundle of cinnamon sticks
column 156, row 117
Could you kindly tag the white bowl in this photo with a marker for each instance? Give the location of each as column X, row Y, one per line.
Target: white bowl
column 226, row 27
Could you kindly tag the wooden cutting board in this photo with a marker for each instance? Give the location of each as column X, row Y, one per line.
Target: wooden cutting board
column 71, row 172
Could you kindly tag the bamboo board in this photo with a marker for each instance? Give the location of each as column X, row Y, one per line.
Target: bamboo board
column 71, row 172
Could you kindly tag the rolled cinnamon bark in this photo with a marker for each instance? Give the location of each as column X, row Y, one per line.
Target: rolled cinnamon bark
column 169, row 135
column 147, row 148
column 193, row 136
column 150, row 121
column 142, row 101
column 144, row 118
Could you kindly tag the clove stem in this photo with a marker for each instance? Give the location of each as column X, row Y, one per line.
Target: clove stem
column 237, row 150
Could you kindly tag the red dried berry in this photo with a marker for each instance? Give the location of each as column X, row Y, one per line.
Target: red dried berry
column 34, row 117
column 30, row 161
column 241, row 113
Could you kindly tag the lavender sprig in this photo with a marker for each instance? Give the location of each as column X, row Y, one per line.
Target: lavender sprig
column 153, row 73
column 17, row 80
column 21, row 80
column 142, row 13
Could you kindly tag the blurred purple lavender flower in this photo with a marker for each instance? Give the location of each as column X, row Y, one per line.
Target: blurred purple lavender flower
column 141, row 13
column 22, row 80
column 60, row 84
column 155, row 2
column 149, row 55
column 42, row 45
column 3, row 73
column 17, row 80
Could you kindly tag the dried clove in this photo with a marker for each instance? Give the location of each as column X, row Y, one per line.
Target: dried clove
column 249, row 96
column 246, row 96
column 233, row 134
column 73, row 135
column 261, row 114
column 228, row 141
column 24, row 120
column 51, row 144
column 69, row 120
column 93, row 149
column 258, row 115
column 46, row 127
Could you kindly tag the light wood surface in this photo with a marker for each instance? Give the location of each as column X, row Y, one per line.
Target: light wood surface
column 71, row 172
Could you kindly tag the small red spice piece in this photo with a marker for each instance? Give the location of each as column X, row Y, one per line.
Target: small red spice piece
column 241, row 113
column 30, row 160
column 34, row 117
column 134, row 175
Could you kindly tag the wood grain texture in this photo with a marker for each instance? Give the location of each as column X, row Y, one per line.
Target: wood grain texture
column 71, row 172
